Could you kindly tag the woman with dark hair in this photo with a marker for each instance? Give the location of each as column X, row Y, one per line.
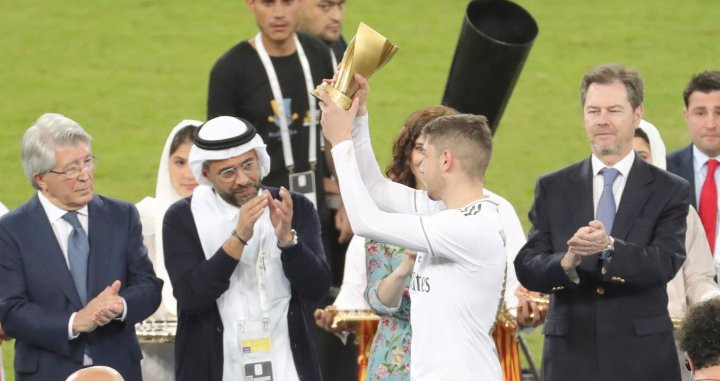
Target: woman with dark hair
column 174, row 181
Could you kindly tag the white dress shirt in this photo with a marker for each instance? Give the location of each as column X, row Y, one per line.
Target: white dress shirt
column 62, row 230
column 700, row 172
column 623, row 166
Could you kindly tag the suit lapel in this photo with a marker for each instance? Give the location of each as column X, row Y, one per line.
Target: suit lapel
column 634, row 197
column 45, row 245
column 580, row 194
column 580, row 201
column 100, row 237
column 687, row 171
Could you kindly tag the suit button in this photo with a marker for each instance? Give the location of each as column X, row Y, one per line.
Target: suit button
column 600, row 290
column 219, row 329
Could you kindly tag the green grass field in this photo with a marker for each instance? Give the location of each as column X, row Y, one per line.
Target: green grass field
column 128, row 71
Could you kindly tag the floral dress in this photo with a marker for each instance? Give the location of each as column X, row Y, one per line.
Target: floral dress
column 390, row 353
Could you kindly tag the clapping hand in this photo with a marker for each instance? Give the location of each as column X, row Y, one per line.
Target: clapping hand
column 281, row 214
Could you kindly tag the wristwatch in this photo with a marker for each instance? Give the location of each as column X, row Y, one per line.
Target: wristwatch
column 293, row 240
column 609, row 250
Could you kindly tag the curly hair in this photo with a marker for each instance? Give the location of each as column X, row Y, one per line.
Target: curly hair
column 400, row 168
column 700, row 334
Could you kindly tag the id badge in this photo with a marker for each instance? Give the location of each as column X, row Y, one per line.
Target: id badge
column 256, row 355
column 304, row 183
column 259, row 371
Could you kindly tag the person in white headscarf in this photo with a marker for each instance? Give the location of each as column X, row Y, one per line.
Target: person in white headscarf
column 694, row 282
column 243, row 260
column 174, row 181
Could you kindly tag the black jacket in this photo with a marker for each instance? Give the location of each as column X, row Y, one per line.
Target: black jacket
column 197, row 283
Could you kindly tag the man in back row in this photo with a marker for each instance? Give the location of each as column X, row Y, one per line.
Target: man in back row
column 459, row 271
column 324, row 18
column 694, row 162
column 267, row 80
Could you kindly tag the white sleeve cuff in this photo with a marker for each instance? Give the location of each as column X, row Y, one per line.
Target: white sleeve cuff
column 124, row 314
column 377, row 305
column 70, row 325
column 361, row 129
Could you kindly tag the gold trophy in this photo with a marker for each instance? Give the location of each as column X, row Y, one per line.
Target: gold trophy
column 367, row 53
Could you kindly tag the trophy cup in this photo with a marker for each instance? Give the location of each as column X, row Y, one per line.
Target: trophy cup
column 367, row 53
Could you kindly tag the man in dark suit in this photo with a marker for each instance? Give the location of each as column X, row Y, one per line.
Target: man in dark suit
column 75, row 276
column 608, row 234
column 702, row 115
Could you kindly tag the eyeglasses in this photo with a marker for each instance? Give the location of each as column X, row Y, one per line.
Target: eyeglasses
column 249, row 168
column 74, row 171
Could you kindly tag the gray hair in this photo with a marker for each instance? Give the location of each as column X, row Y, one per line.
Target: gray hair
column 40, row 140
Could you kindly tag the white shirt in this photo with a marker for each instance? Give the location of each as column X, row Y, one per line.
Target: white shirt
column 60, row 227
column 623, row 166
column 455, row 291
column 351, row 295
column 3, row 209
column 458, row 276
column 241, row 307
column 700, row 172
column 62, row 230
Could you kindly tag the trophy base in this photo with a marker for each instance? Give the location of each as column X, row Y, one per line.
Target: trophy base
column 336, row 95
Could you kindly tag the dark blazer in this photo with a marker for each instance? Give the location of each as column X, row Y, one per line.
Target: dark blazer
column 680, row 162
column 613, row 325
column 198, row 282
column 37, row 293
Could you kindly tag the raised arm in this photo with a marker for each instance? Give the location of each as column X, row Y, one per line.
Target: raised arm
column 366, row 218
column 389, row 196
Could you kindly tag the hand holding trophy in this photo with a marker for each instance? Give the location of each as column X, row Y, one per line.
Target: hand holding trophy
column 367, row 53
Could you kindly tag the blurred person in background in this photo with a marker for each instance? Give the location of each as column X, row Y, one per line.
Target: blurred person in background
column 702, row 156
column 3, row 210
column 174, row 181
column 695, row 281
column 324, row 19
column 700, row 339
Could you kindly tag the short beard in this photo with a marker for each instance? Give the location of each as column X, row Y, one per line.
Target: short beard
column 605, row 151
column 231, row 199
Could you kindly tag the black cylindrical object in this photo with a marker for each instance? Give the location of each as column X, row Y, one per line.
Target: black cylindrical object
column 495, row 40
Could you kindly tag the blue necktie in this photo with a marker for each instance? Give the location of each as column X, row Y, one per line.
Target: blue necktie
column 606, row 206
column 78, row 252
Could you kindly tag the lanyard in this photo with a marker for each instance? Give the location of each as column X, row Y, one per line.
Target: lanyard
column 261, row 278
column 334, row 60
column 279, row 100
